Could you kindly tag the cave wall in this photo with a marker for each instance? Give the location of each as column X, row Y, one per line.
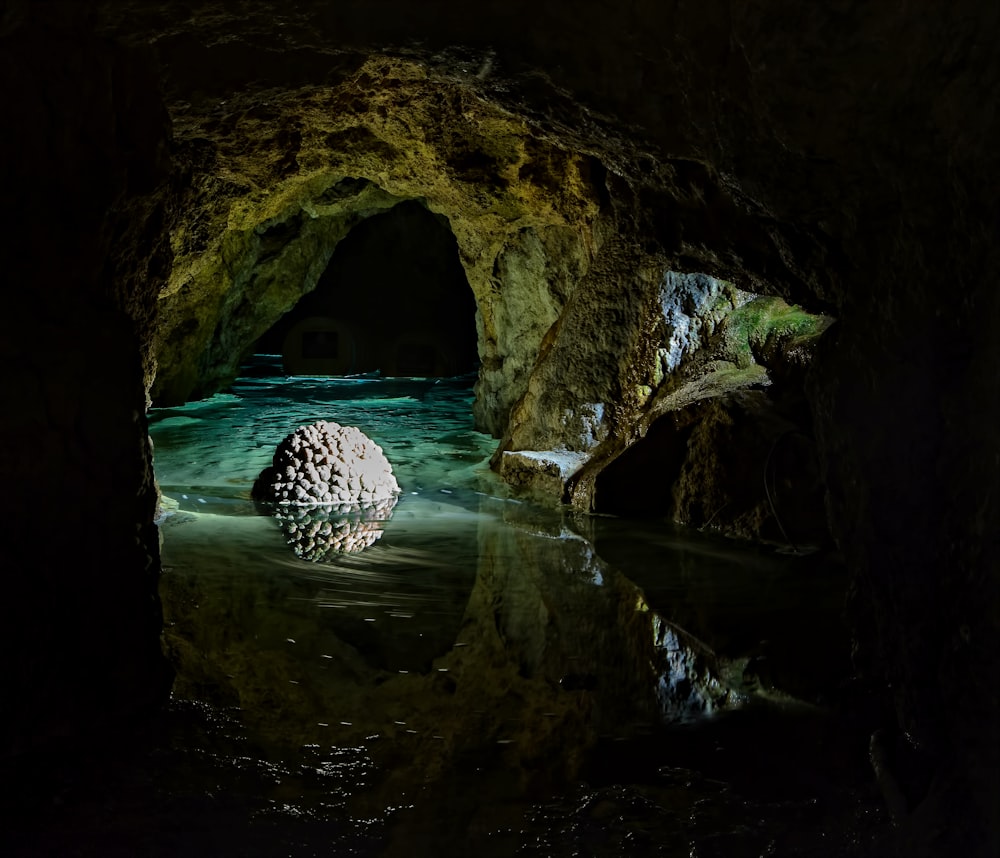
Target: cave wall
column 278, row 178
column 85, row 183
column 533, row 277
column 727, row 441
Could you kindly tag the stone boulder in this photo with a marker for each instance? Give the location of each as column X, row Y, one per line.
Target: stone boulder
column 327, row 464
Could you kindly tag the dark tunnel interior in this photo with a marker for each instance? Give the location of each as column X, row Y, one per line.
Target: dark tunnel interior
column 394, row 299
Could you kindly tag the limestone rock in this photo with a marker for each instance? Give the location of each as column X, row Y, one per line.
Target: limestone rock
column 692, row 306
column 275, row 191
column 352, row 469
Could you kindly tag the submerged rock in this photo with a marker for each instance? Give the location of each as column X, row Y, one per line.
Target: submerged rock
column 327, row 464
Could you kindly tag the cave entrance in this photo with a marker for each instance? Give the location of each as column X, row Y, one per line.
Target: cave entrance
column 394, row 299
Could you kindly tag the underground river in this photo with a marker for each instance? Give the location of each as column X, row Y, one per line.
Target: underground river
column 488, row 677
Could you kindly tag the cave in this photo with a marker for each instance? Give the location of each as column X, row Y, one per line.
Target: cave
column 393, row 299
column 722, row 283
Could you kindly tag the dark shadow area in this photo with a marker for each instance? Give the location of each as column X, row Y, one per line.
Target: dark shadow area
column 638, row 482
column 744, row 465
column 394, row 299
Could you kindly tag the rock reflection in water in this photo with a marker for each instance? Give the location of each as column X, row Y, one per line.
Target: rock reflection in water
column 315, row 532
column 520, row 667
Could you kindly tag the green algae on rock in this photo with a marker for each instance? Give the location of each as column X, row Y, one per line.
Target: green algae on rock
column 767, row 329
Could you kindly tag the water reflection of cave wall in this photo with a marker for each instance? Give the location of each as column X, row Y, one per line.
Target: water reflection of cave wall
column 515, row 645
column 394, row 299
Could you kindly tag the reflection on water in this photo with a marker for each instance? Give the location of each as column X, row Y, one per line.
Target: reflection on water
column 317, row 531
column 489, row 677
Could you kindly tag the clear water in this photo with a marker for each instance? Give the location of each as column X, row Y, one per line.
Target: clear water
column 490, row 677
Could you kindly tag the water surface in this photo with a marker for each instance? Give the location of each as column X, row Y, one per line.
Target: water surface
column 490, row 677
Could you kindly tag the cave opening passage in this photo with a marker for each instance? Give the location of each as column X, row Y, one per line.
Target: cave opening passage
column 386, row 342
column 738, row 455
column 394, row 299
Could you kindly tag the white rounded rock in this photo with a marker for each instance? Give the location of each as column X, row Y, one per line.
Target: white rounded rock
column 352, row 469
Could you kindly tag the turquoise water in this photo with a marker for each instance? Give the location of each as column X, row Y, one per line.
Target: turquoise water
column 490, row 677
column 217, row 447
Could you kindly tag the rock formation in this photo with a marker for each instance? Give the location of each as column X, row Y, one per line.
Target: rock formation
column 329, row 487
column 80, row 624
column 327, row 464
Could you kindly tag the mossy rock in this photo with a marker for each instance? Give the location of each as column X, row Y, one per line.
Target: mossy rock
column 766, row 330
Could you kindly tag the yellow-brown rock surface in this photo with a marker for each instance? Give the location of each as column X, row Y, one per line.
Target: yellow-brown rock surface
column 280, row 178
